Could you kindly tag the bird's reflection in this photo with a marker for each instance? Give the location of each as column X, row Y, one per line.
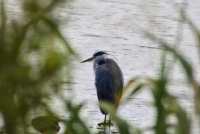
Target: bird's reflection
column 106, row 129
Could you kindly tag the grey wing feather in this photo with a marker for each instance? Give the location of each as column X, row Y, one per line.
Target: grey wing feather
column 116, row 74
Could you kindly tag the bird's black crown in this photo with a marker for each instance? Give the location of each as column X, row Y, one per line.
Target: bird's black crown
column 99, row 53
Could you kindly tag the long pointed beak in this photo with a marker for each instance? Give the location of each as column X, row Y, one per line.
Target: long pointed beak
column 87, row 60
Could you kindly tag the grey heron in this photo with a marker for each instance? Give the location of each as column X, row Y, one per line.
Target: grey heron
column 108, row 80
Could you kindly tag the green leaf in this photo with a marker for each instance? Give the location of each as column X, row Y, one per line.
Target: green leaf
column 185, row 64
column 132, row 87
column 194, row 29
column 183, row 122
column 3, row 20
column 55, row 29
column 75, row 125
column 46, row 124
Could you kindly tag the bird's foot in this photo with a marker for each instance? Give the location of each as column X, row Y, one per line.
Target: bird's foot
column 101, row 124
column 107, row 123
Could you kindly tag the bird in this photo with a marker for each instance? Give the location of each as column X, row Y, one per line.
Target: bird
column 108, row 81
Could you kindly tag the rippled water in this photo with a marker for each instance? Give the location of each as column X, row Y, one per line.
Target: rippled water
column 115, row 26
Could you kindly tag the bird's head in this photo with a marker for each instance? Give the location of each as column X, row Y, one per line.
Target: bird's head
column 95, row 55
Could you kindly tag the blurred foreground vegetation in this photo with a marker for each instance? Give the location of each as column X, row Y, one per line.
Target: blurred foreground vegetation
column 33, row 54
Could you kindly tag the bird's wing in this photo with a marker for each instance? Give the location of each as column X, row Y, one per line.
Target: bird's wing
column 117, row 76
column 105, row 86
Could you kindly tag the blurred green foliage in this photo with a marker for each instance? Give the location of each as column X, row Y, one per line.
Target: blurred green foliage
column 46, row 124
column 165, row 103
column 33, row 53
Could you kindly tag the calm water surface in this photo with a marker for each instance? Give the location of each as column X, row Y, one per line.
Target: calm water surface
column 115, row 26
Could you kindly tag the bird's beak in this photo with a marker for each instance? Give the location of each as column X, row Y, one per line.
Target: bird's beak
column 87, row 60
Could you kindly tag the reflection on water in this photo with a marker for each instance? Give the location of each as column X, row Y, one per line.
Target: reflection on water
column 107, row 129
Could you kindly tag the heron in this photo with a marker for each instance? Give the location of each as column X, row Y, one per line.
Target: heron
column 108, row 81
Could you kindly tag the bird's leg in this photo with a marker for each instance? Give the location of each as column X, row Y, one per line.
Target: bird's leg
column 109, row 124
column 105, row 120
column 109, row 121
column 103, row 123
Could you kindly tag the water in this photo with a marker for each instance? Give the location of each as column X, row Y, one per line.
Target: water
column 115, row 26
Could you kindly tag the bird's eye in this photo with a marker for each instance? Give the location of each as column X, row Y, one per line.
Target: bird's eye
column 101, row 62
